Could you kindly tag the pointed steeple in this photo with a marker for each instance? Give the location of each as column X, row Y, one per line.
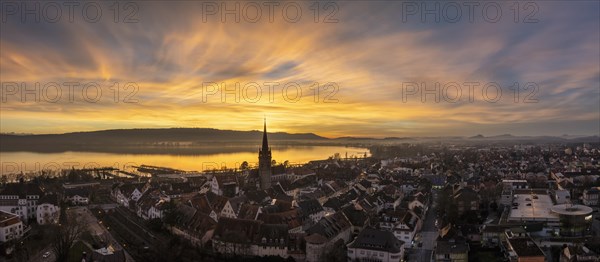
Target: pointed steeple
column 264, row 161
column 265, row 142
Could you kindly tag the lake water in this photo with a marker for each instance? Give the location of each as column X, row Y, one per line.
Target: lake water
column 29, row 162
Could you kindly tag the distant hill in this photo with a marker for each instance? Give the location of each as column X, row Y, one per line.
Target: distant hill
column 188, row 140
column 142, row 137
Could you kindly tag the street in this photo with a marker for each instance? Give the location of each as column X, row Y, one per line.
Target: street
column 39, row 256
column 428, row 234
column 84, row 215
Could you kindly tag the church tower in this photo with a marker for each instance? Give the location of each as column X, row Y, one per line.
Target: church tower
column 264, row 161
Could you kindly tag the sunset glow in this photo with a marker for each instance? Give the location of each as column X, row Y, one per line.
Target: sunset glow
column 370, row 54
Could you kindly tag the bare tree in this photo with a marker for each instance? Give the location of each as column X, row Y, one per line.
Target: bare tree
column 66, row 236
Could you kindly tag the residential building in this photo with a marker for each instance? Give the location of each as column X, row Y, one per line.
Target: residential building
column 320, row 237
column 312, row 209
column 466, row 199
column 123, row 194
column 77, row 196
column 451, row 246
column 21, row 199
column 578, row 253
column 522, row 248
column 48, row 210
column 224, row 185
column 11, row 226
column 375, row 245
column 453, row 250
column 590, row 196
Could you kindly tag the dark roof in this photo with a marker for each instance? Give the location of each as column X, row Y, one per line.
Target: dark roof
column 594, row 190
column 196, row 180
column 491, row 228
column 451, row 247
column 257, row 196
column 278, row 205
column 469, row 229
column 226, row 179
column 447, row 232
column 248, row 211
column 334, row 203
column 8, row 219
column 525, row 247
column 374, row 239
column 22, row 190
column 276, row 191
column 278, row 169
column 127, row 189
column 357, row 216
column 78, row 191
column 185, row 213
column 291, row 218
column 200, row 223
column 302, row 171
column 236, row 202
column 179, row 188
column 236, row 230
column 208, row 202
column 310, row 206
column 330, row 226
column 273, row 234
column 49, row 199
column 466, row 194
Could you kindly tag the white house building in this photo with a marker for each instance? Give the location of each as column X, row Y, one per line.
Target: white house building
column 48, row 210
column 123, row 193
column 77, row 196
column 11, row 227
column 224, row 185
column 20, row 199
column 376, row 245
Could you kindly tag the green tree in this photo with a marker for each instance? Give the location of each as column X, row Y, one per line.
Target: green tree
column 244, row 165
column 65, row 237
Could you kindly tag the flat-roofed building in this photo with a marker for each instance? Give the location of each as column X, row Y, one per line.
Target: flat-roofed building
column 531, row 206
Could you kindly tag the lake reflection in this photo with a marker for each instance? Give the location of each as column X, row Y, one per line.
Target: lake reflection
column 28, row 162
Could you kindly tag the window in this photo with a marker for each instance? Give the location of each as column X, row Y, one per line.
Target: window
column 362, row 252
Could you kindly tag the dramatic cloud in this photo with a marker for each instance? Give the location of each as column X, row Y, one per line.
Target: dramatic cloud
column 180, row 65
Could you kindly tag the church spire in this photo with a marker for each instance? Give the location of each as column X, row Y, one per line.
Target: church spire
column 265, row 142
column 264, row 161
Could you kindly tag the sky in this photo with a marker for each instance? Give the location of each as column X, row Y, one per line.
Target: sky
column 381, row 68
